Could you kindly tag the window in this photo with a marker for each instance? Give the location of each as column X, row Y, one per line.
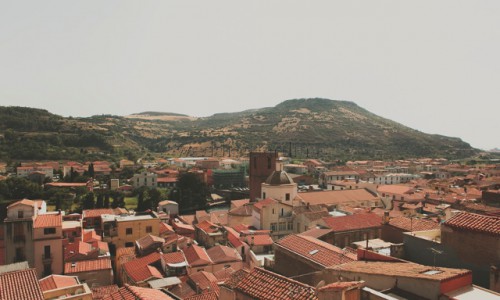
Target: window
column 282, row 226
column 273, row 227
column 46, row 251
column 273, row 211
column 282, row 212
column 287, row 196
column 149, row 229
column 290, row 226
column 129, row 244
column 20, row 214
column 49, row 230
column 268, row 162
column 264, row 195
column 128, row 231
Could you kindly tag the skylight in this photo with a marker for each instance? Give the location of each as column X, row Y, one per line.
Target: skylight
column 313, row 251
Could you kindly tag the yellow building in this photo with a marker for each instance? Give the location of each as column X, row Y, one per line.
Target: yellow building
column 122, row 231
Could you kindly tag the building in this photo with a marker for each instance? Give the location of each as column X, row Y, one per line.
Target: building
column 95, row 272
column 273, row 215
column 353, row 228
column 144, row 179
column 308, row 255
column 123, row 231
column 334, row 199
column 262, row 164
column 47, row 244
column 466, row 240
column 20, row 284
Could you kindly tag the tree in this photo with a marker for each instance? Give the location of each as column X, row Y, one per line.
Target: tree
column 191, row 193
column 15, row 188
column 106, row 200
column 88, row 201
column 91, row 170
column 100, row 200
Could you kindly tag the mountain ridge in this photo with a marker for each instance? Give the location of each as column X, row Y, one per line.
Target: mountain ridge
column 323, row 128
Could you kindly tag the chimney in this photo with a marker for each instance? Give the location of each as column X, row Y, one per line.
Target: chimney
column 386, row 218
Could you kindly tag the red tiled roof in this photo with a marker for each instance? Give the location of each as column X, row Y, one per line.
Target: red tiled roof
column 237, row 203
column 266, row 285
column 233, row 237
column 208, row 227
column 94, row 213
column 48, row 220
column 90, row 236
column 21, row 284
column 98, row 293
column 316, row 232
column 148, row 240
column 475, row 222
column 221, row 254
column 197, row 256
column 129, row 292
column 413, row 224
column 139, row 269
column 174, row 257
column 337, row 197
column 53, row 282
column 77, row 248
column 165, row 228
column 315, row 250
column 258, row 239
column 87, row 265
column 23, row 202
column 394, row 189
column 353, row 222
column 235, row 278
column 66, row 184
column 204, row 296
column 259, row 205
column 202, row 279
column 403, row 269
column 224, row 274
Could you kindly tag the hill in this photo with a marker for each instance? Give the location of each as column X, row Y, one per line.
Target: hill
column 321, row 128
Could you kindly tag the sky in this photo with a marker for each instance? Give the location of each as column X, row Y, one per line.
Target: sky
column 430, row 65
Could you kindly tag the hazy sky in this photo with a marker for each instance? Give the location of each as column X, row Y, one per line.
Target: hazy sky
column 431, row 65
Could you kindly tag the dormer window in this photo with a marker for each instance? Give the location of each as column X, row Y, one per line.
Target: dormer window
column 20, row 214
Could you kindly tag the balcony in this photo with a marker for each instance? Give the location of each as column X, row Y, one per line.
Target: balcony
column 47, row 259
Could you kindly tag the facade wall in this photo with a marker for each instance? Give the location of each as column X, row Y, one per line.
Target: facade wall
column 95, row 278
column 280, row 192
column 139, row 229
column 277, row 217
column 48, row 264
column 300, row 266
column 144, row 179
column 18, row 237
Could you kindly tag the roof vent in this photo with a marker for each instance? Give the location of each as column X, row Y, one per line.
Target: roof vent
column 313, row 251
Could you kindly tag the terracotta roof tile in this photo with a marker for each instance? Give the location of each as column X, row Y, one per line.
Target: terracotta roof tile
column 149, row 240
column 263, row 284
column 224, row 274
column 202, row 279
column 87, row 265
column 129, row 292
column 235, row 278
column 208, row 227
column 475, row 222
column 197, row 256
column 257, row 239
column 48, row 220
column 222, row 254
column 94, row 213
column 174, row 257
column 139, row 269
column 353, row 222
column 259, row 205
column 53, row 282
column 337, row 197
column 90, row 236
column 21, row 284
column 403, row 269
column 98, row 293
column 204, row 296
column 413, row 224
column 315, row 250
